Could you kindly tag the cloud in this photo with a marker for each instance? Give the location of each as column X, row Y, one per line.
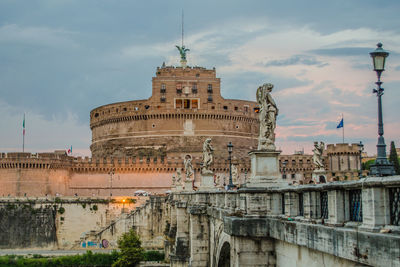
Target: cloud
column 342, row 51
column 296, row 60
column 42, row 134
column 42, row 36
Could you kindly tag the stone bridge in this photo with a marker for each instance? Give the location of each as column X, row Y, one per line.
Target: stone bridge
column 334, row 224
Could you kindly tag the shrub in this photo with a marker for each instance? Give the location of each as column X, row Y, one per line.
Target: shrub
column 153, row 255
column 131, row 250
column 61, row 210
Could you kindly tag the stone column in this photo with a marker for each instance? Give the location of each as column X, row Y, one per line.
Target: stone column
column 180, row 256
column 291, row 204
column 246, row 252
column 199, row 236
column 375, row 208
column 264, row 170
column 336, row 202
column 311, row 202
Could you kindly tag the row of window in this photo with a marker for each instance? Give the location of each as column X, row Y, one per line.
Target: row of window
column 284, row 176
column 179, row 103
column 186, row 89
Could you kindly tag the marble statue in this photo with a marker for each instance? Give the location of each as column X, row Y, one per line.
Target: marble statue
column 267, row 115
column 217, row 181
column 173, row 181
column 207, row 157
column 235, row 174
column 178, row 176
column 188, row 166
column 317, row 157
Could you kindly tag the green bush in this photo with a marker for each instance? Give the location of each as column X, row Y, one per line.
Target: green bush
column 87, row 259
column 131, row 250
column 153, row 255
column 61, row 210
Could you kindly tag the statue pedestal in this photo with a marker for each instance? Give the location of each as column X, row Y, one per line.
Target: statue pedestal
column 264, row 170
column 319, row 176
column 183, row 63
column 177, row 188
column 207, row 181
column 188, row 185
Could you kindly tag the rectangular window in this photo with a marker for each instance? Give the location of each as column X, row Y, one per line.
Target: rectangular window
column 179, row 88
column 209, row 99
column 209, row 89
column 293, row 176
column 194, row 88
column 178, row 103
column 246, row 108
column 195, row 103
column 186, row 103
column 163, row 89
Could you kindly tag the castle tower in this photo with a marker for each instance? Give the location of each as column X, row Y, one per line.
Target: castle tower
column 185, row 108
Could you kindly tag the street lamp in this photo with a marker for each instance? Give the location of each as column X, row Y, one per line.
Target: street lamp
column 230, row 148
column 381, row 167
column 111, row 173
column 361, row 149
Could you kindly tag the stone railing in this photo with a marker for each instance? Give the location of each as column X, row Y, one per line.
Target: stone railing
column 371, row 203
column 357, row 221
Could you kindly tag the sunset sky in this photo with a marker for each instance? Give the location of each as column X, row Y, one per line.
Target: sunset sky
column 61, row 58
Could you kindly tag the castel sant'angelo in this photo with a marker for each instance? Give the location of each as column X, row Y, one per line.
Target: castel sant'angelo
column 140, row 144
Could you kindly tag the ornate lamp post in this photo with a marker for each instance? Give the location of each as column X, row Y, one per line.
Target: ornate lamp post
column 230, row 148
column 361, row 149
column 111, row 173
column 381, row 167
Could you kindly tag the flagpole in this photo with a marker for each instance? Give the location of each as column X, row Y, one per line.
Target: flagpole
column 343, row 129
column 23, row 135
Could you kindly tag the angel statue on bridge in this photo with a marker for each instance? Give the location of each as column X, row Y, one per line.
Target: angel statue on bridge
column 208, row 158
column 267, row 116
column 317, row 157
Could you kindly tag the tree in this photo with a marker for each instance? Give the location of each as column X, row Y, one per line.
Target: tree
column 131, row 250
column 393, row 158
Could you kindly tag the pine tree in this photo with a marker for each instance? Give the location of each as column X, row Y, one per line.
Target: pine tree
column 393, row 158
column 131, row 250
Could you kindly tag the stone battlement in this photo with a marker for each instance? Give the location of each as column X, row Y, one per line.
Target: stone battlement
column 16, row 160
column 342, row 149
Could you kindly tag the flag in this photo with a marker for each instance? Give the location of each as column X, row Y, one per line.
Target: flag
column 23, row 126
column 70, row 150
column 340, row 125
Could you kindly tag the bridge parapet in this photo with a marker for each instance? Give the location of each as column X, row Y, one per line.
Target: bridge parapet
column 356, row 222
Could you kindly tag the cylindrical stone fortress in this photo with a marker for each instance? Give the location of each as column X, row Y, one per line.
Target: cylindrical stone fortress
column 185, row 108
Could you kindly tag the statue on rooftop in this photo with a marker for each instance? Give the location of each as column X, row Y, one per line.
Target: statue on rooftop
column 317, row 156
column 267, row 116
column 182, row 51
column 207, row 156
